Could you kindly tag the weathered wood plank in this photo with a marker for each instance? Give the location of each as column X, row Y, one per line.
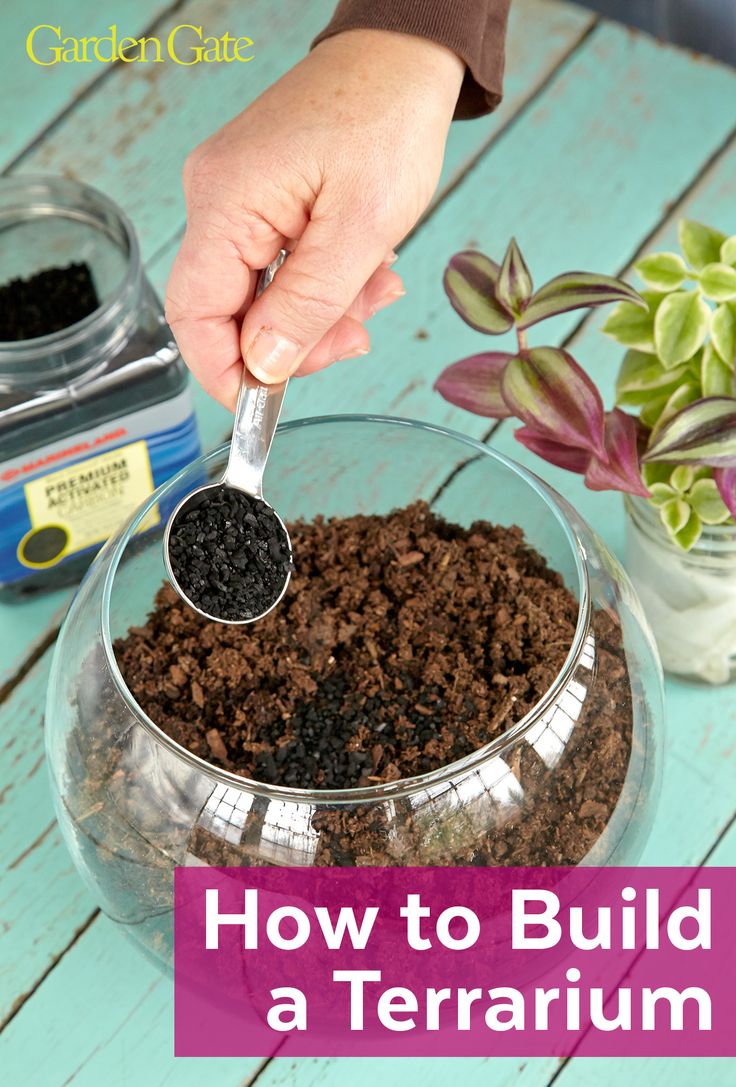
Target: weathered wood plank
column 39, row 94
column 467, row 218
column 429, row 1072
column 105, row 1022
column 43, row 903
column 24, row 625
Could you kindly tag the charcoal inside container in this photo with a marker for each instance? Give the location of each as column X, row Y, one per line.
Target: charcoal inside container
column 46, row 302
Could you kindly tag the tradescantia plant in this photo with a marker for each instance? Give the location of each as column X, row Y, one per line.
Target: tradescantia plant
column 680, row 452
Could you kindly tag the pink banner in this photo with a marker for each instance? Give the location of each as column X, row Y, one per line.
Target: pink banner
column 455, row 961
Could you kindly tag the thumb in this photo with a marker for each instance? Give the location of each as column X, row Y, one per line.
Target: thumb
column 310, row 293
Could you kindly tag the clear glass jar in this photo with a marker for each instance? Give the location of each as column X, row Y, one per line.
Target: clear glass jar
column 689, row 596
column 100, row 408
column 133, row 804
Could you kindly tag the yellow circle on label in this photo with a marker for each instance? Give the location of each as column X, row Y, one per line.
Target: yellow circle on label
column 43, row 546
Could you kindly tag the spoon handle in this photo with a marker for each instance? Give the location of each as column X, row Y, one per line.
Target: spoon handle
column 256, row 415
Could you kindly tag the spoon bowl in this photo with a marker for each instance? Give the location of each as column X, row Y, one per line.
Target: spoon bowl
column 189, row 504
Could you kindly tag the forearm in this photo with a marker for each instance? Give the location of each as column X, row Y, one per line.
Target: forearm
column 475, row 30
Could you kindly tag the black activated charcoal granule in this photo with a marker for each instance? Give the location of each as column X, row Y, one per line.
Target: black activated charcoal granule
column 229, row 554
column 46, row 302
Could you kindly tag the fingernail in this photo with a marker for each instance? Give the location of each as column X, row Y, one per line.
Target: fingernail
column 271, row 357
column 386, row 300
column 352, row 353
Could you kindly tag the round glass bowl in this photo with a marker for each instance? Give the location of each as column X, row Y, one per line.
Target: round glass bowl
column 133, row 805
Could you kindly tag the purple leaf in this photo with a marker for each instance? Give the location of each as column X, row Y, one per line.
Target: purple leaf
column 470, row 283
column 726, row 482
column 577, row 290
column 563, row 456
column 514, row 286
column 701, row 433
column 546, row 389
column 475, row 384
column 620, row 470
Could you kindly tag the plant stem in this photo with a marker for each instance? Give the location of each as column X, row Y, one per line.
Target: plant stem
column 521, row 338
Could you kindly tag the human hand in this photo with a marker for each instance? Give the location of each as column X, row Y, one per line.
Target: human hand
column 336, row 161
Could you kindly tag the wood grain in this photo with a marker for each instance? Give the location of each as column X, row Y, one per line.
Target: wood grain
column 42, row 899
column 39, row 95
column 584, row 174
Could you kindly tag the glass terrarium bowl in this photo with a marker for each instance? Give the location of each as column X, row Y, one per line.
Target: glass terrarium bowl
column 133, row 804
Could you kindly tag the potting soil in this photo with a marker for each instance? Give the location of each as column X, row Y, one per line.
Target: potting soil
column 403, row 643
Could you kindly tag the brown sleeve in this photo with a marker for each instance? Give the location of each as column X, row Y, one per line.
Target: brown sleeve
column 474, row 29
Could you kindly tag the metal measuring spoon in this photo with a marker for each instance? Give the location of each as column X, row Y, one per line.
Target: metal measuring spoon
column 241, row 563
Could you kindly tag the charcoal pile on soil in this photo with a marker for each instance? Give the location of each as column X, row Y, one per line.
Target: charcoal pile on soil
column 46, row 302
column 229, row 554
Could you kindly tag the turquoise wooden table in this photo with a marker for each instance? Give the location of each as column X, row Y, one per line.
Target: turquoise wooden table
column 604, row 139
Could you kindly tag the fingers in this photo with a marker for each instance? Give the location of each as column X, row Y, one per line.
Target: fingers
column 332, row 262
column 347, row 338
column 211, row 289
column 210, row 286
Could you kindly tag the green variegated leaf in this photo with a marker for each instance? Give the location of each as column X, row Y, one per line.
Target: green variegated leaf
column 470, row 282
column 700, row 244
column 643, row 377
column 514, row 286
column 685, row 394
column 656, row 473
column 728, row 251
column 702, row 472
column 632, row 326
column 723, row 332
column 682, row 478
column 680, row 326
column 718, row 282
column 694, row 367
column 675, row 514
column 703, row 432
column 579, row 290
column 688, row 536
column 716, row 378
column 651, row 412
column 643, row 399
column 706, row 500
column 662, row 271
column 660, row 493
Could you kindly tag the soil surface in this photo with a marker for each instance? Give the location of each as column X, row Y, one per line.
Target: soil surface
column 46, row 302
column 403, row 643
column 229, row 554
